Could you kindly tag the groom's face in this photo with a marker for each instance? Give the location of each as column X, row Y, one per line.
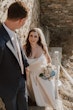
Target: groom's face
column 20, row 23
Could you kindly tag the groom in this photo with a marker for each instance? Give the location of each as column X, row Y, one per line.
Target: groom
column 12, row 75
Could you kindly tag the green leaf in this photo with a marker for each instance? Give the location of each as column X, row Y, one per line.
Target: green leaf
column 41, row 74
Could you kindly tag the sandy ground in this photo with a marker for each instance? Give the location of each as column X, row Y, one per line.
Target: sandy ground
column 66, row 90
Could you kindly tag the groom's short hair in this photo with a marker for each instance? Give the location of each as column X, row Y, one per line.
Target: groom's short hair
column 17, row 10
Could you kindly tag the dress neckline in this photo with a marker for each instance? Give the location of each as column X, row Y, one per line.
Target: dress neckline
column 36, row 57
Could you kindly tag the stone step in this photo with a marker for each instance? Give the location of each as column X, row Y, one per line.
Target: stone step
column 38, row 108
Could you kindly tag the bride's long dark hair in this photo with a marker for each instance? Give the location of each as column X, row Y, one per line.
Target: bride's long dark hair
column 28, row 46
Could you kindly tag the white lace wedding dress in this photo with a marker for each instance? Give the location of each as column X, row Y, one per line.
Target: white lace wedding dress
column 40, row 90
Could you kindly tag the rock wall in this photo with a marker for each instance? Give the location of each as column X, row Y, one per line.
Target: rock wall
column 57, row 15
column 55, row 18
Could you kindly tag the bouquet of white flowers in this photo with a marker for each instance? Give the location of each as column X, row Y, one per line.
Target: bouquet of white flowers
column 48, row 73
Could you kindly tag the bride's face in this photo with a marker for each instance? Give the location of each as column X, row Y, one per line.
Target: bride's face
column 33, row 38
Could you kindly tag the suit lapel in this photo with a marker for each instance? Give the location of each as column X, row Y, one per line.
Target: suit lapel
column 8, row 41
column 9, row 45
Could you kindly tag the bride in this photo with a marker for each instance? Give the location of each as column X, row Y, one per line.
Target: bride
column 40, row 90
